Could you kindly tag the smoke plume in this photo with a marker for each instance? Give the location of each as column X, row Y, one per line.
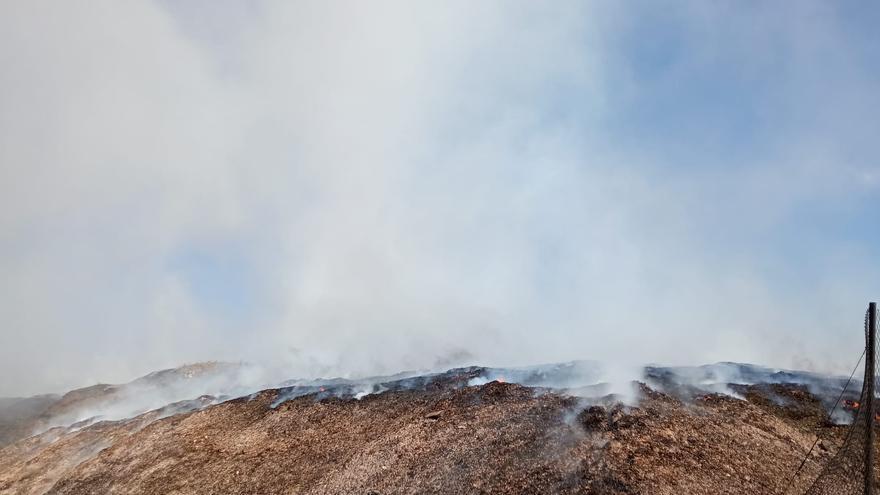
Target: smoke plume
column 352, row 189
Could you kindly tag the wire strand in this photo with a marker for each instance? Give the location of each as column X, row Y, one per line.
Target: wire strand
column 818, row 437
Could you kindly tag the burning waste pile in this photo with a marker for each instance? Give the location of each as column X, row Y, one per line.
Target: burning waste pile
column 585, row 379
column 582, row 378
column 556, row 427
column 192, row 387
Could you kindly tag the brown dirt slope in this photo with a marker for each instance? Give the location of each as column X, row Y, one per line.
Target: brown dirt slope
column 21, row 417
column 17, row 416
column 496, row 438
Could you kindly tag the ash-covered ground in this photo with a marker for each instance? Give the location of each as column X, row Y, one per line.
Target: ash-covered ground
column 723, row 428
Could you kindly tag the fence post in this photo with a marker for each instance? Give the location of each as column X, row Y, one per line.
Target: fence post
column 869, row 397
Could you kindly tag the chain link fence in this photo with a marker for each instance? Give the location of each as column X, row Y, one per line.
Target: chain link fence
column 851, row 470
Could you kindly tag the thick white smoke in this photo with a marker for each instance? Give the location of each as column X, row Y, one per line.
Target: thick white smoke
column 351, row 188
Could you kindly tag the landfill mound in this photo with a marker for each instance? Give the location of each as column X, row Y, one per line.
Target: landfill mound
column 446, row 433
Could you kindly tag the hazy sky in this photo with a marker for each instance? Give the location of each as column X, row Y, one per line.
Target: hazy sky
column 365, row 187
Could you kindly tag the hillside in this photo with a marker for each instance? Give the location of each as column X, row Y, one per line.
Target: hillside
column 437, row 434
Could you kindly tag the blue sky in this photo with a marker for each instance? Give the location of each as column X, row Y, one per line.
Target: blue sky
column 350, row 189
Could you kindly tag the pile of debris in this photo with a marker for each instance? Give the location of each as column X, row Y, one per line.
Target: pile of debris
column 448, row 435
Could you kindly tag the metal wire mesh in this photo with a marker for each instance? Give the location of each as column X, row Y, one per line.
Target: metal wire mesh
column 845, row 472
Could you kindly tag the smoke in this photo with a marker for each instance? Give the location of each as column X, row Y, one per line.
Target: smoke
column 352, row 189
column 167, row 392
column 192, row 387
